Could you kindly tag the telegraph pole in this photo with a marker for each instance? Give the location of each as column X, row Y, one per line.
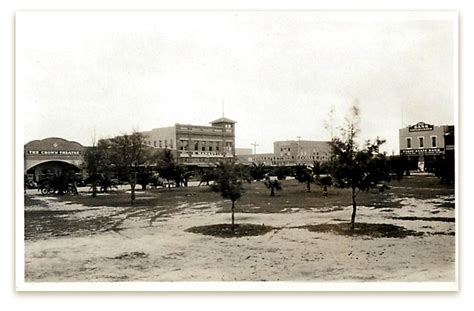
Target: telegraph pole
column 255, row 147
column 298, row 149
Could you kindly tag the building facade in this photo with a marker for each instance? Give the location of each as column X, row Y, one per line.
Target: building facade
column 425, row 142
column 196, row 144
column 51, row 156
column 292, row 152
column 243, row 151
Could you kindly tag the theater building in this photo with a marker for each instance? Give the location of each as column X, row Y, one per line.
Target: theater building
column 196, row 144
column 50, row 156
column 424, row 142
column 292, row 152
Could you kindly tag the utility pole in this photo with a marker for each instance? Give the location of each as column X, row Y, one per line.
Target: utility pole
column 255, row 147
column 298, row 149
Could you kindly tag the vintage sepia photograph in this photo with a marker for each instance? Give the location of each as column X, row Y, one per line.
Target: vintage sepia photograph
column 236, row 150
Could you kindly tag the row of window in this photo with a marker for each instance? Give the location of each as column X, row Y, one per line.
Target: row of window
column 202, row 129
column 161, row 143
column 205, row 129
column 421, row 142
column 204, row 146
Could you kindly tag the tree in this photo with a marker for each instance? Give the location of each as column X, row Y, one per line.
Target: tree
column 97, row 163
column 304, row 175
column 128, row 152
column 321, row 176
column 167, row 167
column 281, row 172
column 182, row 175
column 398, row 165
column 207, row 175
column 444, row 168
column 357, row 168
column 258, row 171
column 272, row 184
column 228, row 184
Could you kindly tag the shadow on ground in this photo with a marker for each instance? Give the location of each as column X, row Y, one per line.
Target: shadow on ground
column 225, row 230
column 375, row 230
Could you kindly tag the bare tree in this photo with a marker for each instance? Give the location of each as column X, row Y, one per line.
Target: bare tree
column 128, row 152
column 97, row 163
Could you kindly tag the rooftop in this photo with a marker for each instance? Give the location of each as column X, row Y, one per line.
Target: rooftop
column 222, row 120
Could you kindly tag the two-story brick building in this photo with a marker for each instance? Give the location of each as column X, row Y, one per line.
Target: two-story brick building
column 196, row 144
column 425, row 142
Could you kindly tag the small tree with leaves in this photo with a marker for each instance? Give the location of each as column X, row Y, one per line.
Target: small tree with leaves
column 321, row 176
column 258, row 171
column 273, row 184
column 304, row 175
column 359, row 169
column 207, row 175
column 228, row 184
column 167, row 167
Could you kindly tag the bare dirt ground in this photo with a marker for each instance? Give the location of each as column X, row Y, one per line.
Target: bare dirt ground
column 79, row 238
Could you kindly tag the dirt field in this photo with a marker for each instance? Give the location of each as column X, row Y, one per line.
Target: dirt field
column 79, row 238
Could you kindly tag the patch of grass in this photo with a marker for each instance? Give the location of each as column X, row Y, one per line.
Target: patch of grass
column 132, row 255
column 147, row 198
column 225, row 230
column 443, row 233
column 364, row 229
column 447, row 205
column 46, row 224
column 256, row 197
column 32, row 201
column 154, row 205
column 442, row 219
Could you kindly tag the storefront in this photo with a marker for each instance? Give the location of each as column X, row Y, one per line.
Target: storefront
column 424, row 143
column 51, row 156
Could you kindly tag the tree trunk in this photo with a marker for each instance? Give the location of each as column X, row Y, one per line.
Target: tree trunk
column 133, row 183
column 232, row 226
column 325, row 190
column 354, row 209
column 94, row 189
column 272, row 191
column 308, row 186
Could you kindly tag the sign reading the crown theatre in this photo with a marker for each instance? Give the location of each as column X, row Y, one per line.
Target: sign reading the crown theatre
column 53, row 152
column 421, row 127
column 423, row 151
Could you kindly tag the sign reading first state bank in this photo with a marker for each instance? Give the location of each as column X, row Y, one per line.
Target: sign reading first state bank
column 422, row 151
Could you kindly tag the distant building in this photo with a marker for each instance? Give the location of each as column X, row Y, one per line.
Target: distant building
column 196, row 144
column 51, row 156
column 291, row 152
column 424, row 142
column 241, row 151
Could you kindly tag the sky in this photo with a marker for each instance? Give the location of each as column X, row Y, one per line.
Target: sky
column 89, row 75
